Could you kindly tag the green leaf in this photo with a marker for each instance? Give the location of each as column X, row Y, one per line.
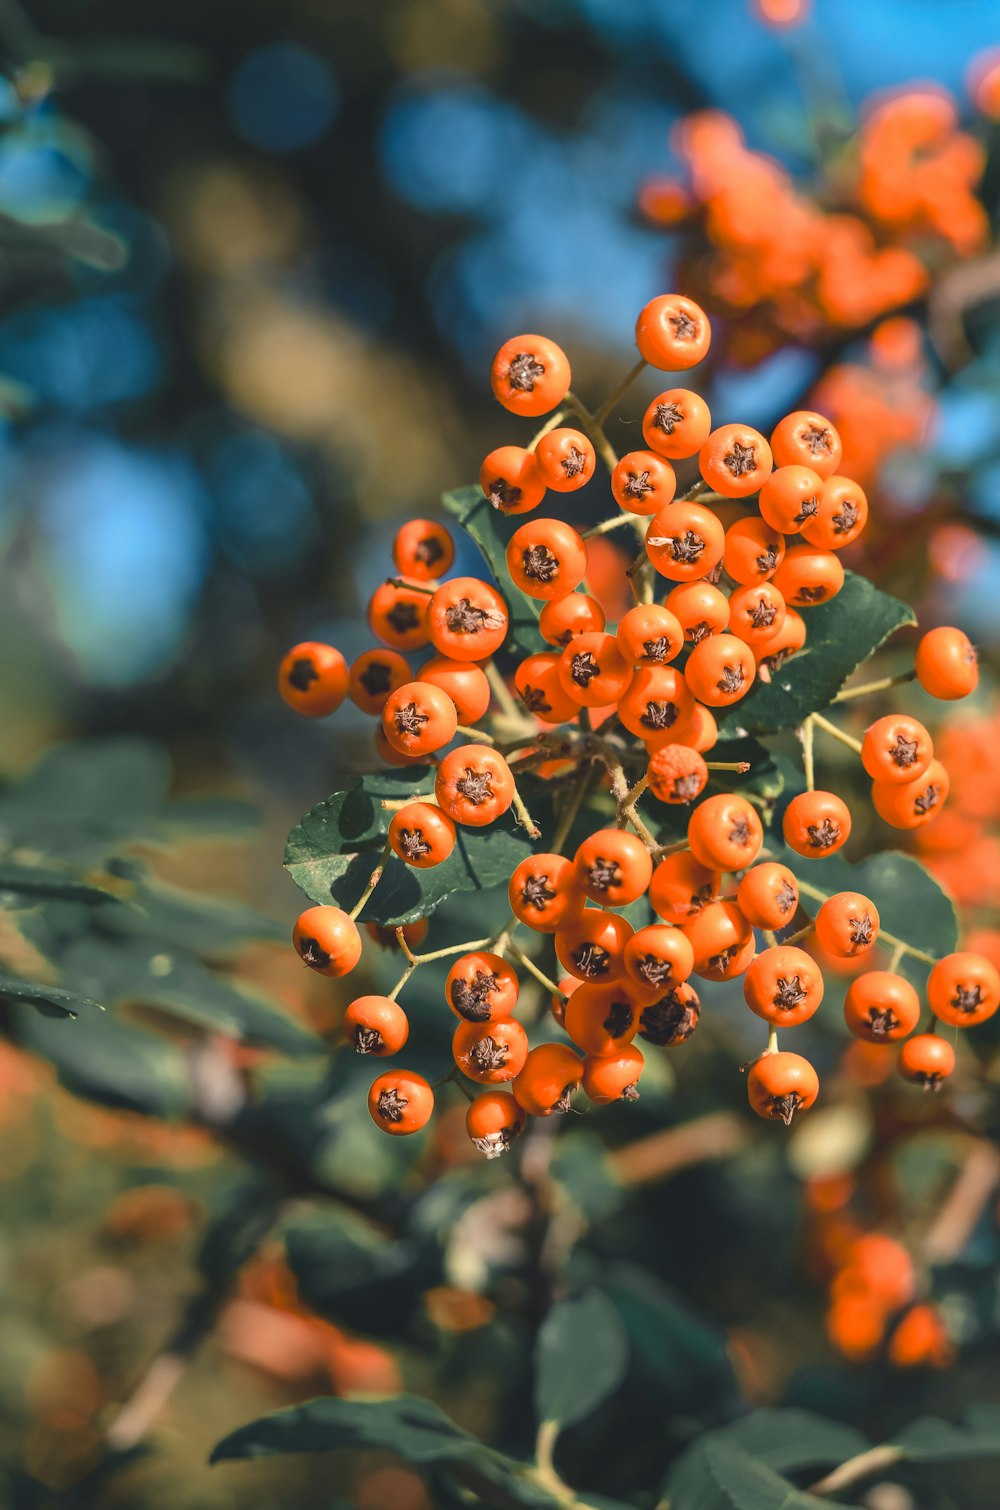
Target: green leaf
column 246, row 1214
column 580, row 1358
column 930, row 1440
column 49, row 883
column 840, row 635
column 491, row 532
column 715, row 1474
column 81, row 799
column 582, row 1170
column 59, row 1003
column 684, row 1359
column 181, row 919
column 349, row 1272
column 116, row 1063
column 788, row 1440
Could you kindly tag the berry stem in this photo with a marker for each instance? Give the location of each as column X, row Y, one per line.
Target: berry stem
column 373, row 881
column 552, row 423
column 621, row 792
column 425, row 959
column 897, row 957
column 603, row 410
column 882, row 685
column 532, row 969
column 402, row 979
column 772, row 1041
column 502, row 695
column 410, row 586
column 727, row 765
column 524, row 817
column 884, row 936
column 616, row 523
column 478, row 735
column 545, row 1470
column 573, row 805
column 835, row 733
column 805, row 734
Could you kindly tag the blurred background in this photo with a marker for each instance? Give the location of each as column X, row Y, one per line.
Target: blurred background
column 254, row 262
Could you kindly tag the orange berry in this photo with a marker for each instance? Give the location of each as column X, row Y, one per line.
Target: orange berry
column 946, row 664
column 809, row 576
column 400, row 1102
column 676, row 424
column 565, row 460
column 602, row 1019
column 881, row 1006
column 784, row 985
column 911, row 804
column 391, row 756
column 376, row 1025
column 681, row 886
column 540, row 688
column 551, row 1074
column 530, row 375
column 592, row 670
column 926, row 1060
column 768, row 895
column 896, row 749
column 847, row 924
column 806, row 439
column 327, row 940
column 562, row 620
column 467, row 619
column 546, row 558
column 700, row 608
column 474, row 785
column 373, row 676
column 753, row 551
column 422, row 550
column 757, row 614
column 421, row 835
column 490, row 1053
column 816, row 824
column 676, row 774
column 614, row 1077
column 842, row 515
column 779, row 1085
column 481, row 987
column 313, row 679
column 684, row 541
column 510, row 478
column 921, row 1339
column 493, row 1121
column 725, row 833
column 419, row 718
column 672, row 1019
column 775, row 650
column 591, row 945
column 643, row 482
column 398, row 615
column 735, row 461
column 658, row 958
column 789, row 498
column 964, row 989
column 649, row 633
column 543, row 892
column 720, row 670
column 465, row 683
column 672, row 333
column 613, row 867
column 657, row 700
column 719, row 936
column 699, row 731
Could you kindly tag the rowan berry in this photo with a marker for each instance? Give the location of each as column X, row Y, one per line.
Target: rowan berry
column 510, row 478
column 672, row 333
column 806, row 439
column 816, row 824
column 768, row 895
column 421, row 835
column 964, row 989
column 373, row 676
column 700, row 608
column 721, row 940
column 676, row 774
column 465, row 683
column 530, row 375
column 735, row 461
column 493, row 1121
column 422, row 550
column 481, row 987
column 490, row 1052
column 842, row 515
column 946, row 664
column 399, row 616
column 672, row 1019
column 602, row 1019
column 699, row 731
column 855, row 1324
column 593, row 671
column 591, row 945
column 558, row 999
column 756, row 614
column 781, row 1084
column 391, row 756
column 543, row 892
column 643, row 482
column 789, row 498
column 419, row 718
column 649, row 634
column 546, row 558
column 540, row 688
column 657, row 699
column 551, row 1074
column 881, row 1006
column 720, row 670
column 911, row 804
column 613, row 1077
column 809, row 576
column 724, row 832
column 467, row 619
column 773, row 652
column 753, row 551
column 313, row 679
column 474, row 785
column 921, row 1340
column 613, row 867
column 926, row 1060
column 566, row 460
column 658, row 957
column 896, row 749
column 881, row 1266
column 684, row 541
column 327, row 940
column 376, row 1025
column 681, row 886
column 676, row 424
column 847, row 924
column 784, row 985
column 562, row 620
column 400, row 1102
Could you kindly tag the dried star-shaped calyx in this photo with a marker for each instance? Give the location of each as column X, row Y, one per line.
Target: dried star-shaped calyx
column 489, row 1054
column 809, row 594
column 619, row 1019
column 475, row 786
column 931, row 1082
column 409, row 720
column 503, row 494
column 722, row 961
column 656, row 650
column 667, row 417
column 376, row 678
column 659, row 715
column 772, row 663
column 539, row 563
column 903, row 752
column 768, row 558
column 584, row 668
column 967, row 998
column 862, row 931
column 701, row 898
column 762, row 614
column 808, row 509
column 413, row 844
column 471, row 998
column 732, row 679
column 928, row 798
column 845, row 518
column 786, row 897
column 637, row 485
column 686, row 788
column 685, row 329
column 630, row 1093
column 536, row 892
column 687, row 547
column 882, row 1023
column 740, row 832
column 464, row 617
column 367, row 1040
column 654, row 970
column 534, row 700
column 311, row 954
column 391, row 1105
column 574, row 462
column 495, row 1144
column 785, row 1107
column 403, row 616
column 817, row 438
column 591, row 960
column 429, row 550
column 524, row 371
column 741, row 459
column 788, row 992
column 698, row 632
column 302, row 674
column 566, row 1098
column 669, row 1021
column 823, row 835
column 604, row 874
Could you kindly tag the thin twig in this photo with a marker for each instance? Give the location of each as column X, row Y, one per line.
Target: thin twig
column 835, row 733
column 603, row 410
column 882, row 685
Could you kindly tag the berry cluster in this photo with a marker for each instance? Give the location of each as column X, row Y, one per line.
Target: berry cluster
column 644, row 695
